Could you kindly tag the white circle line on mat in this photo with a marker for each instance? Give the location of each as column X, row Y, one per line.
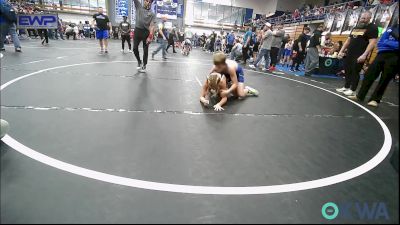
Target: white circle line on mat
column 206, row 190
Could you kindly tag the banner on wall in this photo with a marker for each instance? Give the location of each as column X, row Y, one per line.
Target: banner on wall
column 383, row 16
column 249, row 15
column 37, row 21
column 330, row 18
column 338, row 22
column 395, row 16
column 180, row 11
column 121, row 9
column 351, row 21
column 167, row 9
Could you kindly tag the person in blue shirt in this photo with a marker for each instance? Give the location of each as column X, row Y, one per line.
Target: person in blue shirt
column 385, row 64
column 8, row 19
column 246, row 44
column 230, row 42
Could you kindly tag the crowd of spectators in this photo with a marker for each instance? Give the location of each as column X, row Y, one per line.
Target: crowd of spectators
column 308, row 12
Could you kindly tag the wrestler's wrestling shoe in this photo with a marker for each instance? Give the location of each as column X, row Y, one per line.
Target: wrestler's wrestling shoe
column 252, row 91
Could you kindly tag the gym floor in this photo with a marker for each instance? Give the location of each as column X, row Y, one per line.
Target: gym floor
column 93, row 141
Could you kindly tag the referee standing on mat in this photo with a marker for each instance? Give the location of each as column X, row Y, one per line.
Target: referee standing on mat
column 143, row 32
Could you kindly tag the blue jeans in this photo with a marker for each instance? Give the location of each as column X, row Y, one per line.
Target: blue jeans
column 266, row 54
column 162, row 46
column 9, row 28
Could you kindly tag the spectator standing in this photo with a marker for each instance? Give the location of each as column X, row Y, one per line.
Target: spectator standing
column 44, row 36
column 103, row 29
column 80, row 30
column 358, row 45
column 195, row 40
column 162, row 40
column 59, row 30
column 8, row 18
column 313, row 50
column 277, row 39
column 125, row 29
column 218, row 44
column 257, row 44
column 86, row 29
column 171, row 40
column 236, row 51
column 385, row 64
column 265, row 48
column 287, row 53
column 76, row 31
column 299, row 48
column 213, row 38
column 230, row 41
column 282, row 50
column 246, row 44
column 181, row 38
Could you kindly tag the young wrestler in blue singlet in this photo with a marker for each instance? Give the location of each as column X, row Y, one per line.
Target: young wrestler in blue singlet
column 234, row 77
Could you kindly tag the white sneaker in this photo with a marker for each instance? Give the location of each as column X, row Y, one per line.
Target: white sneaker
column 252, row 91
column 143, row 69
column 349, row 92
column 139, row 67
column 353, row 97
column 264, row 69
column 373, row 103
column 252, row 66
column 130, row 51
column 341, row 90
column 122, row 50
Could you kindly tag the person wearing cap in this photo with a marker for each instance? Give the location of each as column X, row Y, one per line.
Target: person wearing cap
column 125, row 29
column 266, row 39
